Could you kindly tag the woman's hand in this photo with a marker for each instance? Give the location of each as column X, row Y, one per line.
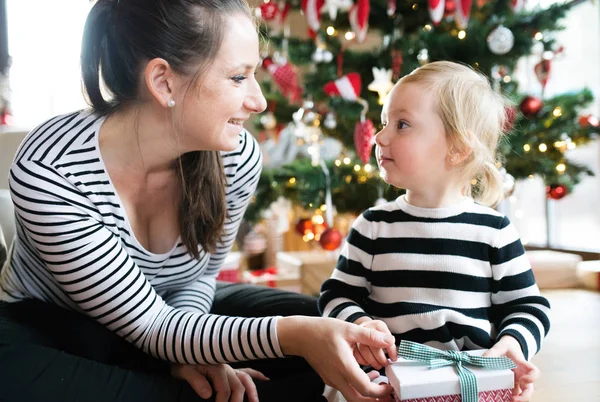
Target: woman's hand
column 229, row 384
column 525, row 373
column 327, row 344
column 370, row 356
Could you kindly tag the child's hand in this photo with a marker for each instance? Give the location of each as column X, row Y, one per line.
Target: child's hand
column 525, row 373
column 374, row 357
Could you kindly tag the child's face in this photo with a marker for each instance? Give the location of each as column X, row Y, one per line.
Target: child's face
column 412, row 148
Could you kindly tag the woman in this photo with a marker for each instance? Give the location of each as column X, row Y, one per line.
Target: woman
column 125, row 214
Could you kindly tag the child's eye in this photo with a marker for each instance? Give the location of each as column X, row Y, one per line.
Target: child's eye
column 238, row 78
column 402, row 124
column 383, row 124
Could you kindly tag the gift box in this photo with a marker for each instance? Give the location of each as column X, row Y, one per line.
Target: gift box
column 449, row 376
column 285, row 279
column 230, row 269
column 314, row 267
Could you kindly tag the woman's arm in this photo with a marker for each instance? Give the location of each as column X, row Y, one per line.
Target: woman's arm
column 91, row 271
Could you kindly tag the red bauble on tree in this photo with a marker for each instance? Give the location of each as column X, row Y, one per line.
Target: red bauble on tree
column 330, row 239
column 363, row 139
column 588, row 120
column 556, row 191
column 530, row 106
column 304, row 226
column 450, row 7
column 269, row 11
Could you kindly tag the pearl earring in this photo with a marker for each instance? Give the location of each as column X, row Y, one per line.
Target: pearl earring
column 171, row 103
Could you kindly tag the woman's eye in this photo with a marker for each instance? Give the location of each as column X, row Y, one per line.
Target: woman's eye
column 238, row 79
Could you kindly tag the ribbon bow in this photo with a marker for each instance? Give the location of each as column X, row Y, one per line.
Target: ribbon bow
column 440, row 358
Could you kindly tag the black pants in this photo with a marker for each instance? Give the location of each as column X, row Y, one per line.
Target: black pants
column 51, row 354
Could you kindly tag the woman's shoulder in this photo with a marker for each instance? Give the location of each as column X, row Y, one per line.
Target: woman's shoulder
column 53, row 138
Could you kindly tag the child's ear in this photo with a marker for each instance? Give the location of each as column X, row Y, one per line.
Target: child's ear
column 457, row 156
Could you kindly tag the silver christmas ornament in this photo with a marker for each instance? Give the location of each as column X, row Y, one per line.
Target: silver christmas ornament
column 423, row 57
column 330, row 121
column 268, row 120
column 500, row 40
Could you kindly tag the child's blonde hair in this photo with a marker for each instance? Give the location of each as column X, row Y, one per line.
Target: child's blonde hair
column 474, row 116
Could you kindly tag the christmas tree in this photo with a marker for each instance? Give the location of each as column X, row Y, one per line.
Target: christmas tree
column 325, row 91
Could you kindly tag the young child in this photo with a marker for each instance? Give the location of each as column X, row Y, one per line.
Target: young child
column 437, row 266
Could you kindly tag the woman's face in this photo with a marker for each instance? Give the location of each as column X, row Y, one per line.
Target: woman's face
column 226, row 94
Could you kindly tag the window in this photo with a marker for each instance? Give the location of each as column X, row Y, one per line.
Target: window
column 574, row 221
column 44, row 40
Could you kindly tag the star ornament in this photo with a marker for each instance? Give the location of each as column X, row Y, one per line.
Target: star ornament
column 382, row 83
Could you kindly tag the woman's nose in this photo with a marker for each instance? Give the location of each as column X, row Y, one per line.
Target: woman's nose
column 255, row 100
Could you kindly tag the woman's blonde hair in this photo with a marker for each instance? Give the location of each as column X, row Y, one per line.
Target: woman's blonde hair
column 474, row 117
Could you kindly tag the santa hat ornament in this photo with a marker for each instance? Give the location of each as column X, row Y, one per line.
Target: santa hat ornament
column 285, row 77
column 312, row 12
column 347, row 86
column 436, row 10
column 463, row 10
column 359, row 19
column 542, row 71
column 517, row 5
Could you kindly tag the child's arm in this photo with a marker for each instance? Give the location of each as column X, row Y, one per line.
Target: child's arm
column 518, row 309
column 343, row 296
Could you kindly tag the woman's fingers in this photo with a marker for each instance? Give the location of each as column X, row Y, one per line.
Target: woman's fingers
column 236, row 386
column 248, row 384
column 197, row 380
column 257, row 375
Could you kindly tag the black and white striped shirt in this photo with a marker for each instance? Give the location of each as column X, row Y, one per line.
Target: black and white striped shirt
column 453, row 278
column 75, row 248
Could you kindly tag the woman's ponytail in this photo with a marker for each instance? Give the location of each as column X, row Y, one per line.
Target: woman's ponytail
column 93, row 48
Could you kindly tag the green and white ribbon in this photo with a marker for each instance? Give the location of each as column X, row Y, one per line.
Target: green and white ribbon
column 440, row 358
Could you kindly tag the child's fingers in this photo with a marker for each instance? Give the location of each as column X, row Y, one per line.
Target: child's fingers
column 380, row 356
column 525, row 395
column 367, row 354
column 359, row 359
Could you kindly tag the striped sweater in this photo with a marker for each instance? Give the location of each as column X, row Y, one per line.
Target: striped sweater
column 453, row 278
column 75, row 248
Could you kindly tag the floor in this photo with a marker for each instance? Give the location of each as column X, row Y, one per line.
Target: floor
column 570, row 357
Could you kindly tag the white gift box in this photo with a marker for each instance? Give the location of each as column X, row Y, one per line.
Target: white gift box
column 413, row 379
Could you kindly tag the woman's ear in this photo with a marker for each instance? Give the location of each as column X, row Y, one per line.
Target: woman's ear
column 159, row 79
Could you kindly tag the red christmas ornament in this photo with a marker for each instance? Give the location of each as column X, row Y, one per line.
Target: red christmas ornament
column 436, row 10
column 556, row 191
column 359, row 19
column 269, row 11
column 463, row 10
column 511, row 116
column 347, row 86
column 542, row 71
column 450, row 7
column 363, row 139
column 330, row 239
column 286, row 78
column 304, row 226
column 5, row 118
column 588, row 120
column 396, row 64
column 530, row 106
